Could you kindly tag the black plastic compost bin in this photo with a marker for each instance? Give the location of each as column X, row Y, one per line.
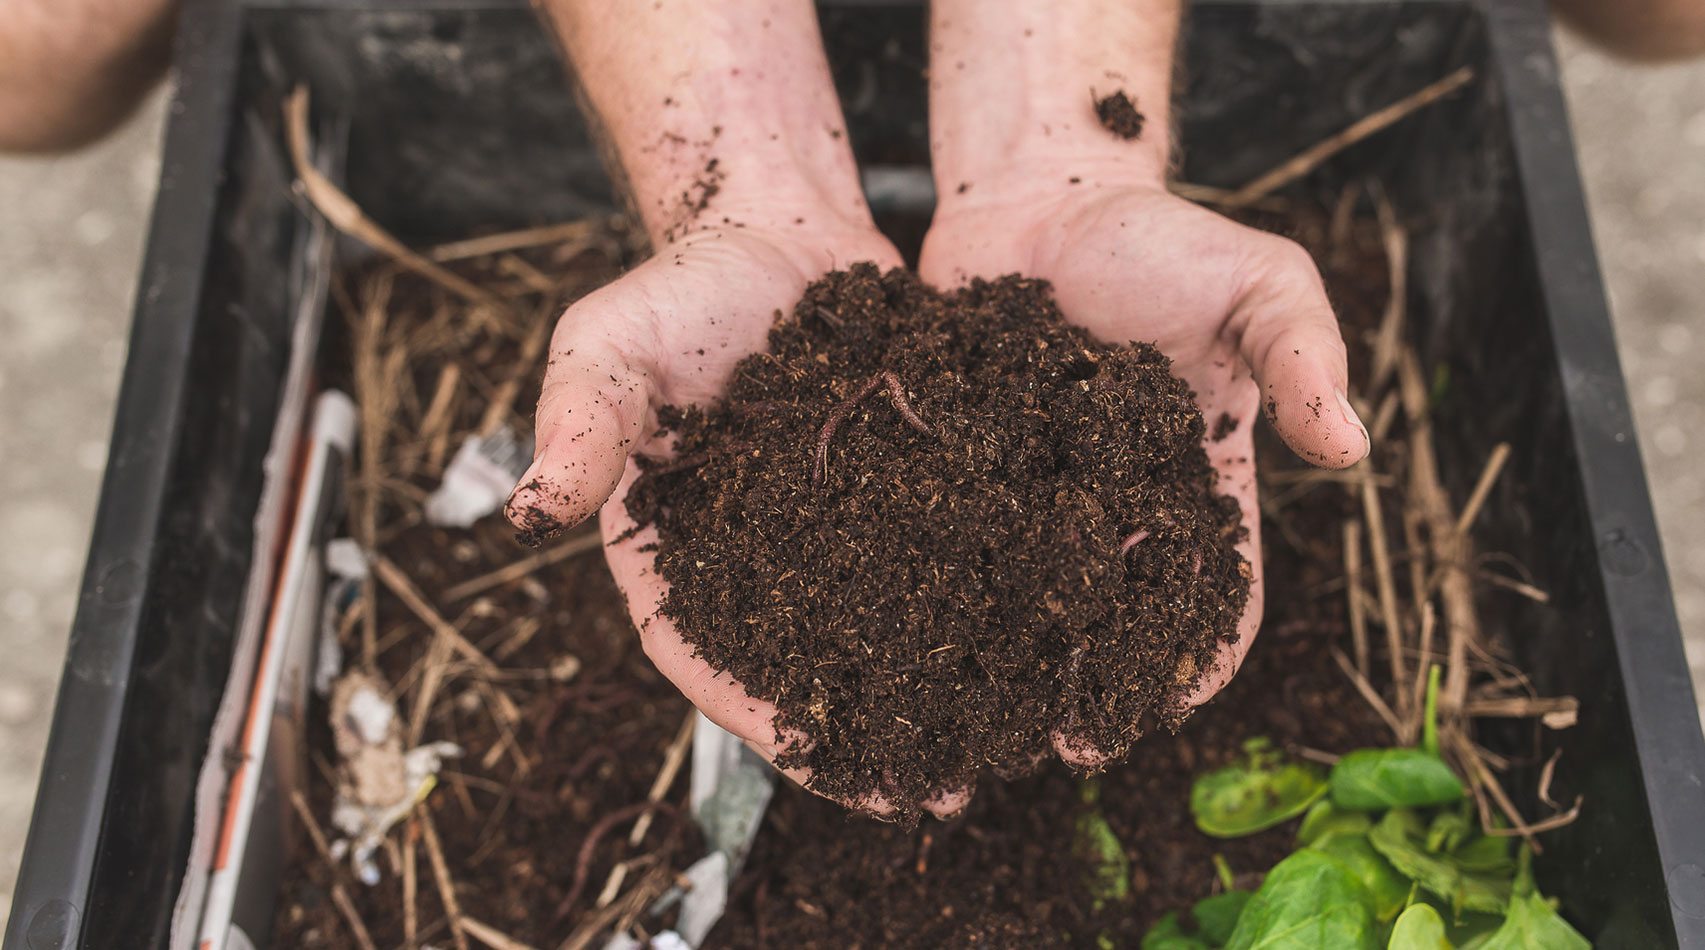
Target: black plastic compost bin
column 459, row 119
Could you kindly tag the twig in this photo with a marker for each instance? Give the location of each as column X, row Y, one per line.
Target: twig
column 1389, row 338
column 635, row 902
column 435, row 427
column 345, row 215
column 411, row 883
column 672, row 759
column 1368, row 692
column 1384, row 416
column 436, row 661
column 502, row 401
column 399, row 584
column 1387, row 586
column 340, row 896
column 491, row 936
column 446, row 886
column 515, row 570
column 1462, row 624
column 1352, row 591
column 513, row 240
column 1483, row 487
column 1557, row 712
column 1511, row 584
column 1315, row 155
column 589, row 847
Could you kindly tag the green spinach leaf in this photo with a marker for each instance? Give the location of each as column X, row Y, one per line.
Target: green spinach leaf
column 1533, row 924
column 1388, row 889
column 1323, row 820
column 1255, row 794
column 1448, row 830
column 1309, row 900
column 1107, row 872
column 1377, row 779
column 1400, row 838
column 1419, row 928
column 1216, row 916
column 1169, row 934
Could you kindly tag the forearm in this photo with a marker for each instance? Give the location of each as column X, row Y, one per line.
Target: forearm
column 1013, row 84
column 72, row 69
column 1643, row 29
column 716, row 109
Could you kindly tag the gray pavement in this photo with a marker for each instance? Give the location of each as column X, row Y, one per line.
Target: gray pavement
column 70, row 244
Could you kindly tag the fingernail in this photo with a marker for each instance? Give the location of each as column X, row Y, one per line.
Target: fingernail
column 1350, row 416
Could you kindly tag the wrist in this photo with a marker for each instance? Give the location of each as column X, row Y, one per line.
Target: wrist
column 720, row 113
column 1013, row 88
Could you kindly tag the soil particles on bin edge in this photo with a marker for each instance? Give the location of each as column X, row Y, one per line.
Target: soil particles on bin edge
column 938, row 530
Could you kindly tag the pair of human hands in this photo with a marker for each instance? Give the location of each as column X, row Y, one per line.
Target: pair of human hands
column 1242, row 314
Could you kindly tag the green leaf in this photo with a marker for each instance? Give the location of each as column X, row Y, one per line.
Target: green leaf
column 1448, row 830
column 1399, row 837
column 1309, row 900
column 1323, row 820
column 1419, row 928
column 1485, row 855
column 1168, row 934
column 1216, row 916
column 1388, row 889
column 1255, row 794
column 1533, row 924
column 1377, row 779
column 1107, row 872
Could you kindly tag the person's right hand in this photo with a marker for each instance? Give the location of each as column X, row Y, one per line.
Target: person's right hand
column 669, row 332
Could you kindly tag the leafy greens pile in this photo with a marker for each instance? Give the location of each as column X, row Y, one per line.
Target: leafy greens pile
column 1388, row 855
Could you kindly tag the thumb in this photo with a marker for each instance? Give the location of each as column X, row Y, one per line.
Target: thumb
column 591, row 413
column 1288, row 335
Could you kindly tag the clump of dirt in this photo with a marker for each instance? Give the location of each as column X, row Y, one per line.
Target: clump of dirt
column 937, row 530
column 1119, row 115
column 1005, row 874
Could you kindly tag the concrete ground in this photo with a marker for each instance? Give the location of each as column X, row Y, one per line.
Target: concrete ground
column 70, row 250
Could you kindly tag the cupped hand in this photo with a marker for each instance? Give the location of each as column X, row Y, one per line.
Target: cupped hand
column 669, row 332
column 1242, row 314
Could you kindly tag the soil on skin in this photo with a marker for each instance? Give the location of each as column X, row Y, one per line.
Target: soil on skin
column 936, row 530
column 1119, row 115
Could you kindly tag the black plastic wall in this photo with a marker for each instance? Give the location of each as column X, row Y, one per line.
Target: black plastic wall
column 460, row 119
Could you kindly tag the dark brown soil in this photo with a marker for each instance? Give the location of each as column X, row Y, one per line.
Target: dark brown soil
column 1006, row 869
column 513, row 820
column 1119, row 115
column 910, row 528
column 512, row 837
column 1003, row 874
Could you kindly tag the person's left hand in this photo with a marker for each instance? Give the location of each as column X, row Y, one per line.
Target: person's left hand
column 1242, row 314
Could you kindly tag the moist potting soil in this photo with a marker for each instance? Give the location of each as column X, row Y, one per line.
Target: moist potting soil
column 942, row 531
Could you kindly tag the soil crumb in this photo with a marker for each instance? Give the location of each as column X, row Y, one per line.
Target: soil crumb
column 1119, row 115
column 937, row 530
column 1224, row 426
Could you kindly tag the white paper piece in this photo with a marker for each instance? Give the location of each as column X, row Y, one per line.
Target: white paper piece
column 730, row 788
column 378, row 783
column 705, row 900
column 479, row 478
